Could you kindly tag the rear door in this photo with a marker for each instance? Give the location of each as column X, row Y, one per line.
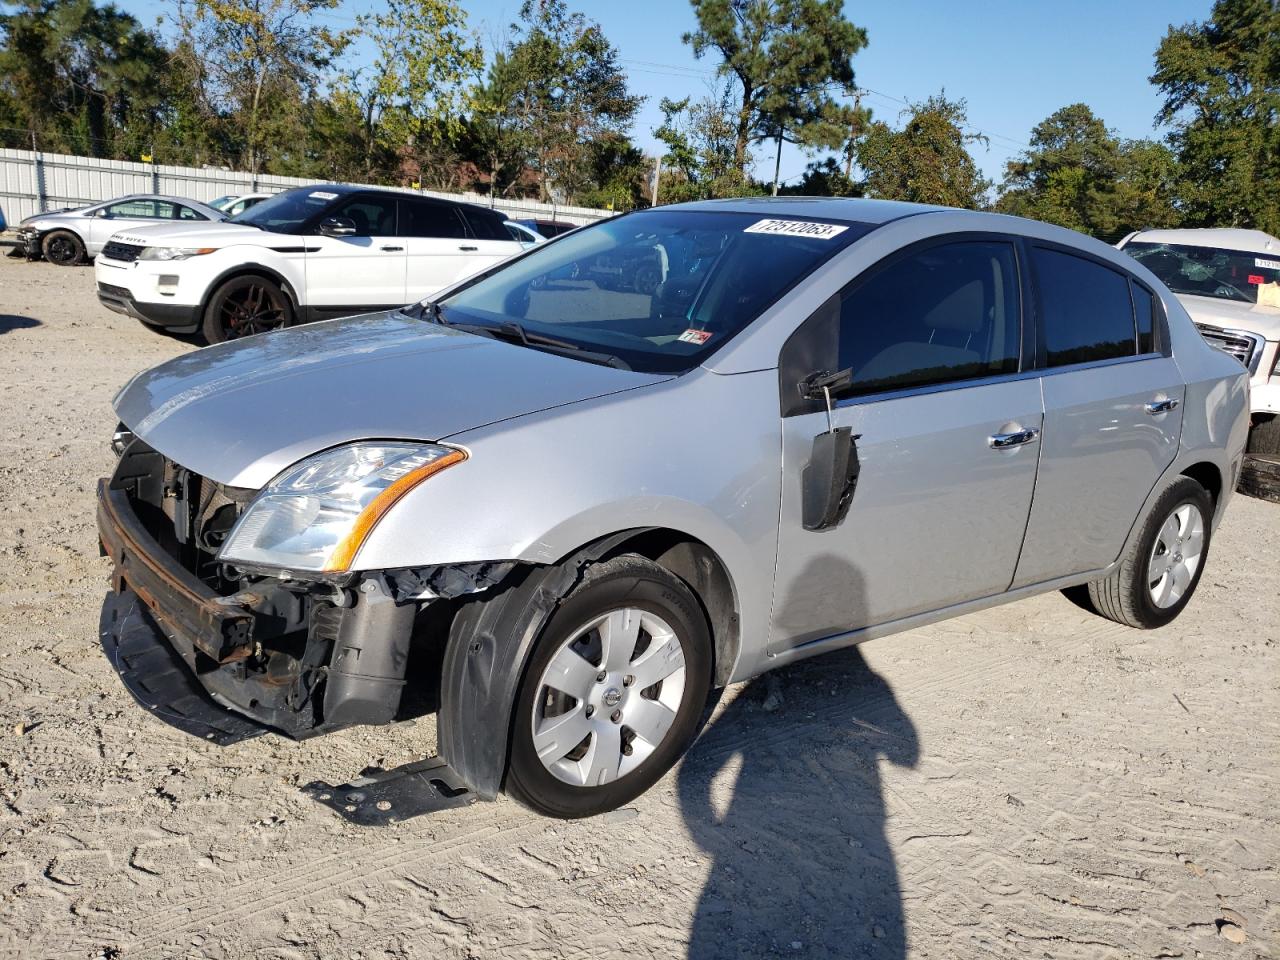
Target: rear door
column 1113, row 414
column 360, row 273
column 946, row 424
column 437, row 243
column 490, row 243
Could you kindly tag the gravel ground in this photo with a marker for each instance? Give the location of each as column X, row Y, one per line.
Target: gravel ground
column 1026, row 782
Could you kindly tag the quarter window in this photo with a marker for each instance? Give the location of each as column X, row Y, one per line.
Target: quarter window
column 950, row 312
column 1086, row 314
column 1144, row 307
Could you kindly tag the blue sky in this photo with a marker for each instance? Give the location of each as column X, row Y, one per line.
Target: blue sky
column 1015, row 61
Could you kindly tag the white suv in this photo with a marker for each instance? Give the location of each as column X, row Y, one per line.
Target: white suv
column 312, row 253
column 1226, row 279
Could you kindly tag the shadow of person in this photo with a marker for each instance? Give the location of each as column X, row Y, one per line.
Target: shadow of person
column 9, row 321
column 800, row 862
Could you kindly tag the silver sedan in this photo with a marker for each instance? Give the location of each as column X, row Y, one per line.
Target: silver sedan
column 660, row 454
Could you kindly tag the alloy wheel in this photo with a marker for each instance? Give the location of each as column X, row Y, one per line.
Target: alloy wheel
column 609, row 697
column 1175, row 556
column 251, row 309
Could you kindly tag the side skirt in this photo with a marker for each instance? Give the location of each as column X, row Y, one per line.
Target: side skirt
column 813, row 648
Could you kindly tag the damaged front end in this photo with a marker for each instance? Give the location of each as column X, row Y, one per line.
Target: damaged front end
column 194, row 638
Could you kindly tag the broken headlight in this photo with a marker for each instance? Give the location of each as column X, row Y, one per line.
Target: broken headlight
column 315, row 515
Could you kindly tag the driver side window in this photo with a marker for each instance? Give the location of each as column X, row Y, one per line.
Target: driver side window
column 946, row 313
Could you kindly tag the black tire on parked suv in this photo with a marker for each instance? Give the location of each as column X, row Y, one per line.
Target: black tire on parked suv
column 1260, row 477
column 244, row 306
column 63, row 248
column 1161, row 566
column 582, row 714
column 1264, row 437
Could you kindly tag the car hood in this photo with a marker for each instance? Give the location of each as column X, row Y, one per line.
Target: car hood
column 1233, row 314
column 241, row 412
column 213, row 233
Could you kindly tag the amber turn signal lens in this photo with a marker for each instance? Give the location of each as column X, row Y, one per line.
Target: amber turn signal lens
column 345, row 552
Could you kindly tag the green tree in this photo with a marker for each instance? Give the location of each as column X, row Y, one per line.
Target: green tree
column 81, row 78
column 568, row 91
column 700, row 138
column 1221, row 85
column 259, row 61
column 497, row 138
column 928, row 160
column 414, row 97
column 1079, row 174
column 785, row 56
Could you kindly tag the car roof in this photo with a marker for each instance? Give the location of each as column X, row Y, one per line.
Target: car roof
column 1224, row 238
column 849, row 209
column 345, row 189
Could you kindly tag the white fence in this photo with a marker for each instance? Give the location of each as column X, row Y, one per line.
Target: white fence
column 32, row 182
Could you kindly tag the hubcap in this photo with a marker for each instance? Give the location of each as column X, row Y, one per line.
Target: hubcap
column 609, row 697
column 1175, row 557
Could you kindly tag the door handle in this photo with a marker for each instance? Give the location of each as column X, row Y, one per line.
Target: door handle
column 1000, row 441
column 468, row 249
column 1157, row 407
column 390, row 249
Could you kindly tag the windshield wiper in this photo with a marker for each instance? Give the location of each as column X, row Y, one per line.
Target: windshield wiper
column 514, row 333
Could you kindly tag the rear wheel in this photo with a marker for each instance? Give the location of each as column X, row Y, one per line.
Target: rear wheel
column 613, row 691
column 63, row 248
column 244, row 306
column 1162, row 566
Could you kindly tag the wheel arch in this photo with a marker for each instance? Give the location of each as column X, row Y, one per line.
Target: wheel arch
column 251, row 270
column 490, row 639
column 1207, row 474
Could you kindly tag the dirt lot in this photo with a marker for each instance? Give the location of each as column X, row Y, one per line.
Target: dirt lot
column 1027, row 782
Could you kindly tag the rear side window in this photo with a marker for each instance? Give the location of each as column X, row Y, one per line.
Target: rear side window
column 947, row 313
column 486, row 226
column 421, row 218
column 1144, row 309
column 1085, row 311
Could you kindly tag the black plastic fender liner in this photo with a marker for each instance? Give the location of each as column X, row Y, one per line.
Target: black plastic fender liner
column 484, row 660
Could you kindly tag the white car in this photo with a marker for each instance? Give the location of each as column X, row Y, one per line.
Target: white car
column 311, row 253
column 1226, row 279
column 525, row 236
column 234, row 204
column 68, row 237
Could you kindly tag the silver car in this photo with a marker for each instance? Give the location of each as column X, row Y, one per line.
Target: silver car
column 568, row 510
column 69, row 237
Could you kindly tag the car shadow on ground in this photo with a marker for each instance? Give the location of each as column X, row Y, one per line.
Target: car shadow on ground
column 787, row 802
column 10, row 322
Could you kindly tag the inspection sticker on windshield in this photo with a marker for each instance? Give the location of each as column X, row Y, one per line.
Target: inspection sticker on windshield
column 694, row 336
column 321, row 195
column 797, row 228
column 1266, row 264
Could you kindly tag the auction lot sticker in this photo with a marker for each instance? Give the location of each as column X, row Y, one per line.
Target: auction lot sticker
column 1267, row 264
column 797, row 228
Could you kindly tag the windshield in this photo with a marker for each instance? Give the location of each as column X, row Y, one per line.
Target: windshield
column 1208, row 271
column 287, row 212
column 222, row 202
column 659, row 290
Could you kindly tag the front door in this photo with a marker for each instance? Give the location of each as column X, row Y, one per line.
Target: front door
column 360, row 273
column 1113, row 414
column 948, row 431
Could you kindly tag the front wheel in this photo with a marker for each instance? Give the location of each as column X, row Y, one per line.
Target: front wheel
column 244, row 306
column 64, row 248
column 1162, row 566
column 613, row 691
